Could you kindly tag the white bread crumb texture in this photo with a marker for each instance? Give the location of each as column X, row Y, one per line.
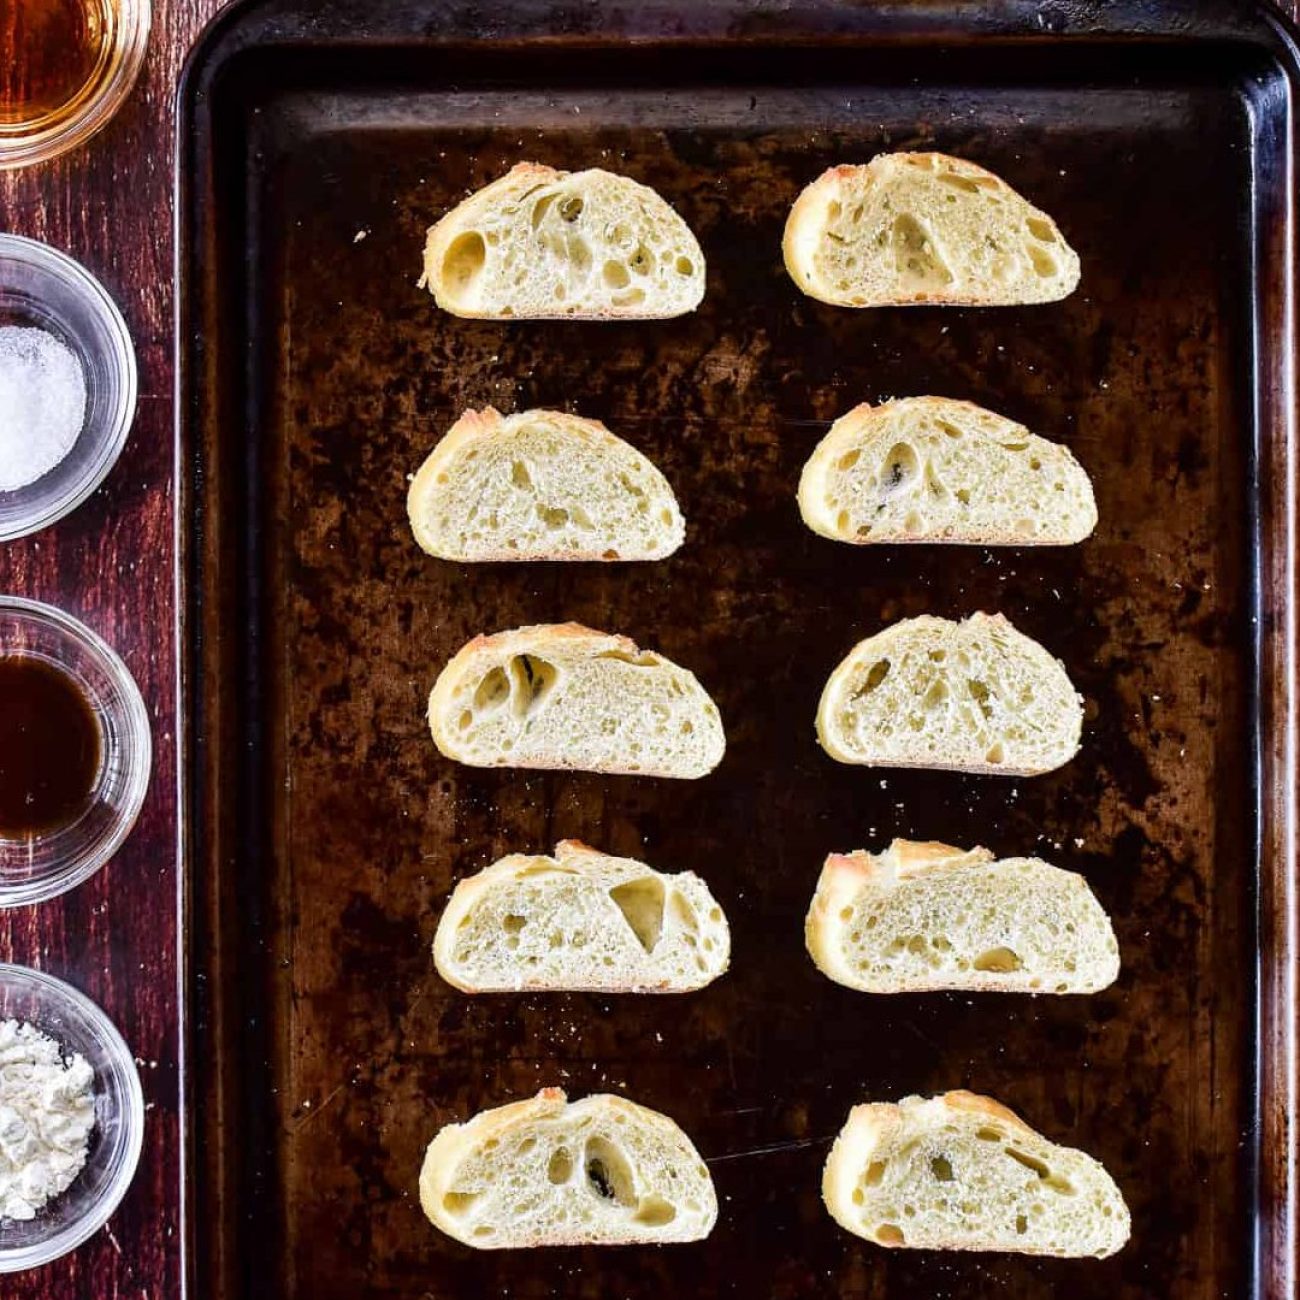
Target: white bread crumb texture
column 602, row 1170
column 924, row 228
column 581, row 920
column 971, row 696
column 565, row 696
column 934, row 469
column 961, row 1172
column 540, row 243
column 961, row 922
column 541, row 485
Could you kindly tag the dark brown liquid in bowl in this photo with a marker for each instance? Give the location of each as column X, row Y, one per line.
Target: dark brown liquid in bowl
column 49, row 747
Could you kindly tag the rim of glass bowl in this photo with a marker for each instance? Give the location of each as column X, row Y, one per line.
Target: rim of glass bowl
column 113, row 437
column 18, row 1258
column 134, row 18
column 137, row 737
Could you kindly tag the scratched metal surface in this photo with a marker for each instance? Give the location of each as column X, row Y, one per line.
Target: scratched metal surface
column 342, row 830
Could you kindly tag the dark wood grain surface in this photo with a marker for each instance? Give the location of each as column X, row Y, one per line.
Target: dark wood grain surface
column 109, row 204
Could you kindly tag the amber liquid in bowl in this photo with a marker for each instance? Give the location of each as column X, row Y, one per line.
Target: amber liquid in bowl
column 52, row 54
column 49, row 748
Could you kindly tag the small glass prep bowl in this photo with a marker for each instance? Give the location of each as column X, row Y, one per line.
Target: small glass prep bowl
column 37, row 867
column 45, row 289
column 64, row 1014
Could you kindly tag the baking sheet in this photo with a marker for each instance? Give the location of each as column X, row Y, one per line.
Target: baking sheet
column 326, row 830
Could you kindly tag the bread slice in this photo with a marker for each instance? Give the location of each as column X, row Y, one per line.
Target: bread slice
column 924, row 228
column 564, row 696
column 930, row 469
column 962, row 1172
column 927, row 916
column 581, row 920
column 540, row 485
column 541, row 243
column 548, row 1172
column 974, row 696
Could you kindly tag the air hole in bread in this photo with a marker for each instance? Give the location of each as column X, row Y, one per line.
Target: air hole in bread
column 641, row 262
column 512, row 923
column 607, row 1171
column 1029, row 1162
column 901, row 467
column 492, row 691
column 571, row 208
column 999, row 960
column 654, row 1211
column 1040, row 229
column 963, row 495
column 890, row 1234
column 879, row 671
column 1044, row 263
column 615, row 275
column 1035, row 463
column 531, row 679
column 459, row 1203
column 875, row 1172
column 560, row 1166
column 915, row 256
column 642, row 904
column 987, row 1134
column 464, row 260
column 630, row 299
column 642, row 658
column 484, row 1230
column 833, row 212
column 1013, row 446
column 849, row 459
column 937, row 694
column 519, row 475
column 859, row 1196
column 1022, row 1224
column 979, row 692
column 941, row 1169
column 552, row 516
column 994, row 755
column 957, row 182
column 950, row 429
column 684, row 266
column 465, row 720
column 527, row 1145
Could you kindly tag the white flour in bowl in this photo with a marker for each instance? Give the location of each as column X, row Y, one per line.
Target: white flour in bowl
column 47, row 1112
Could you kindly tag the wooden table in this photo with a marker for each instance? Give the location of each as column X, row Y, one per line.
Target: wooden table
column 109, row 204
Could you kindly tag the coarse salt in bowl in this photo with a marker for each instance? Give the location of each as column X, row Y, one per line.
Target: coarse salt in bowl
column 81, row 1028
column 67, row 385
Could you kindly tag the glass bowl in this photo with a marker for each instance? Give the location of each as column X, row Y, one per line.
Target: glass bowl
column 60, row 1011
column 52, row 129
column 37, row 867
column 45, row 289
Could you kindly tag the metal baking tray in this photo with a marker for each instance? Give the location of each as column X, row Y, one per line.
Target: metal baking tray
column 318, row 140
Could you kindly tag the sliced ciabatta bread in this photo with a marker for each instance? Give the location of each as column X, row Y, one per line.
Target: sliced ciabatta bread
column 541, row 485
column 564, row 696
column 930, row 469
column 581, row 920
column 962, row 1172
column 924, row 228
column 541, row 243
column 927, row 916
column 974, row 696
column 548, row 1172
